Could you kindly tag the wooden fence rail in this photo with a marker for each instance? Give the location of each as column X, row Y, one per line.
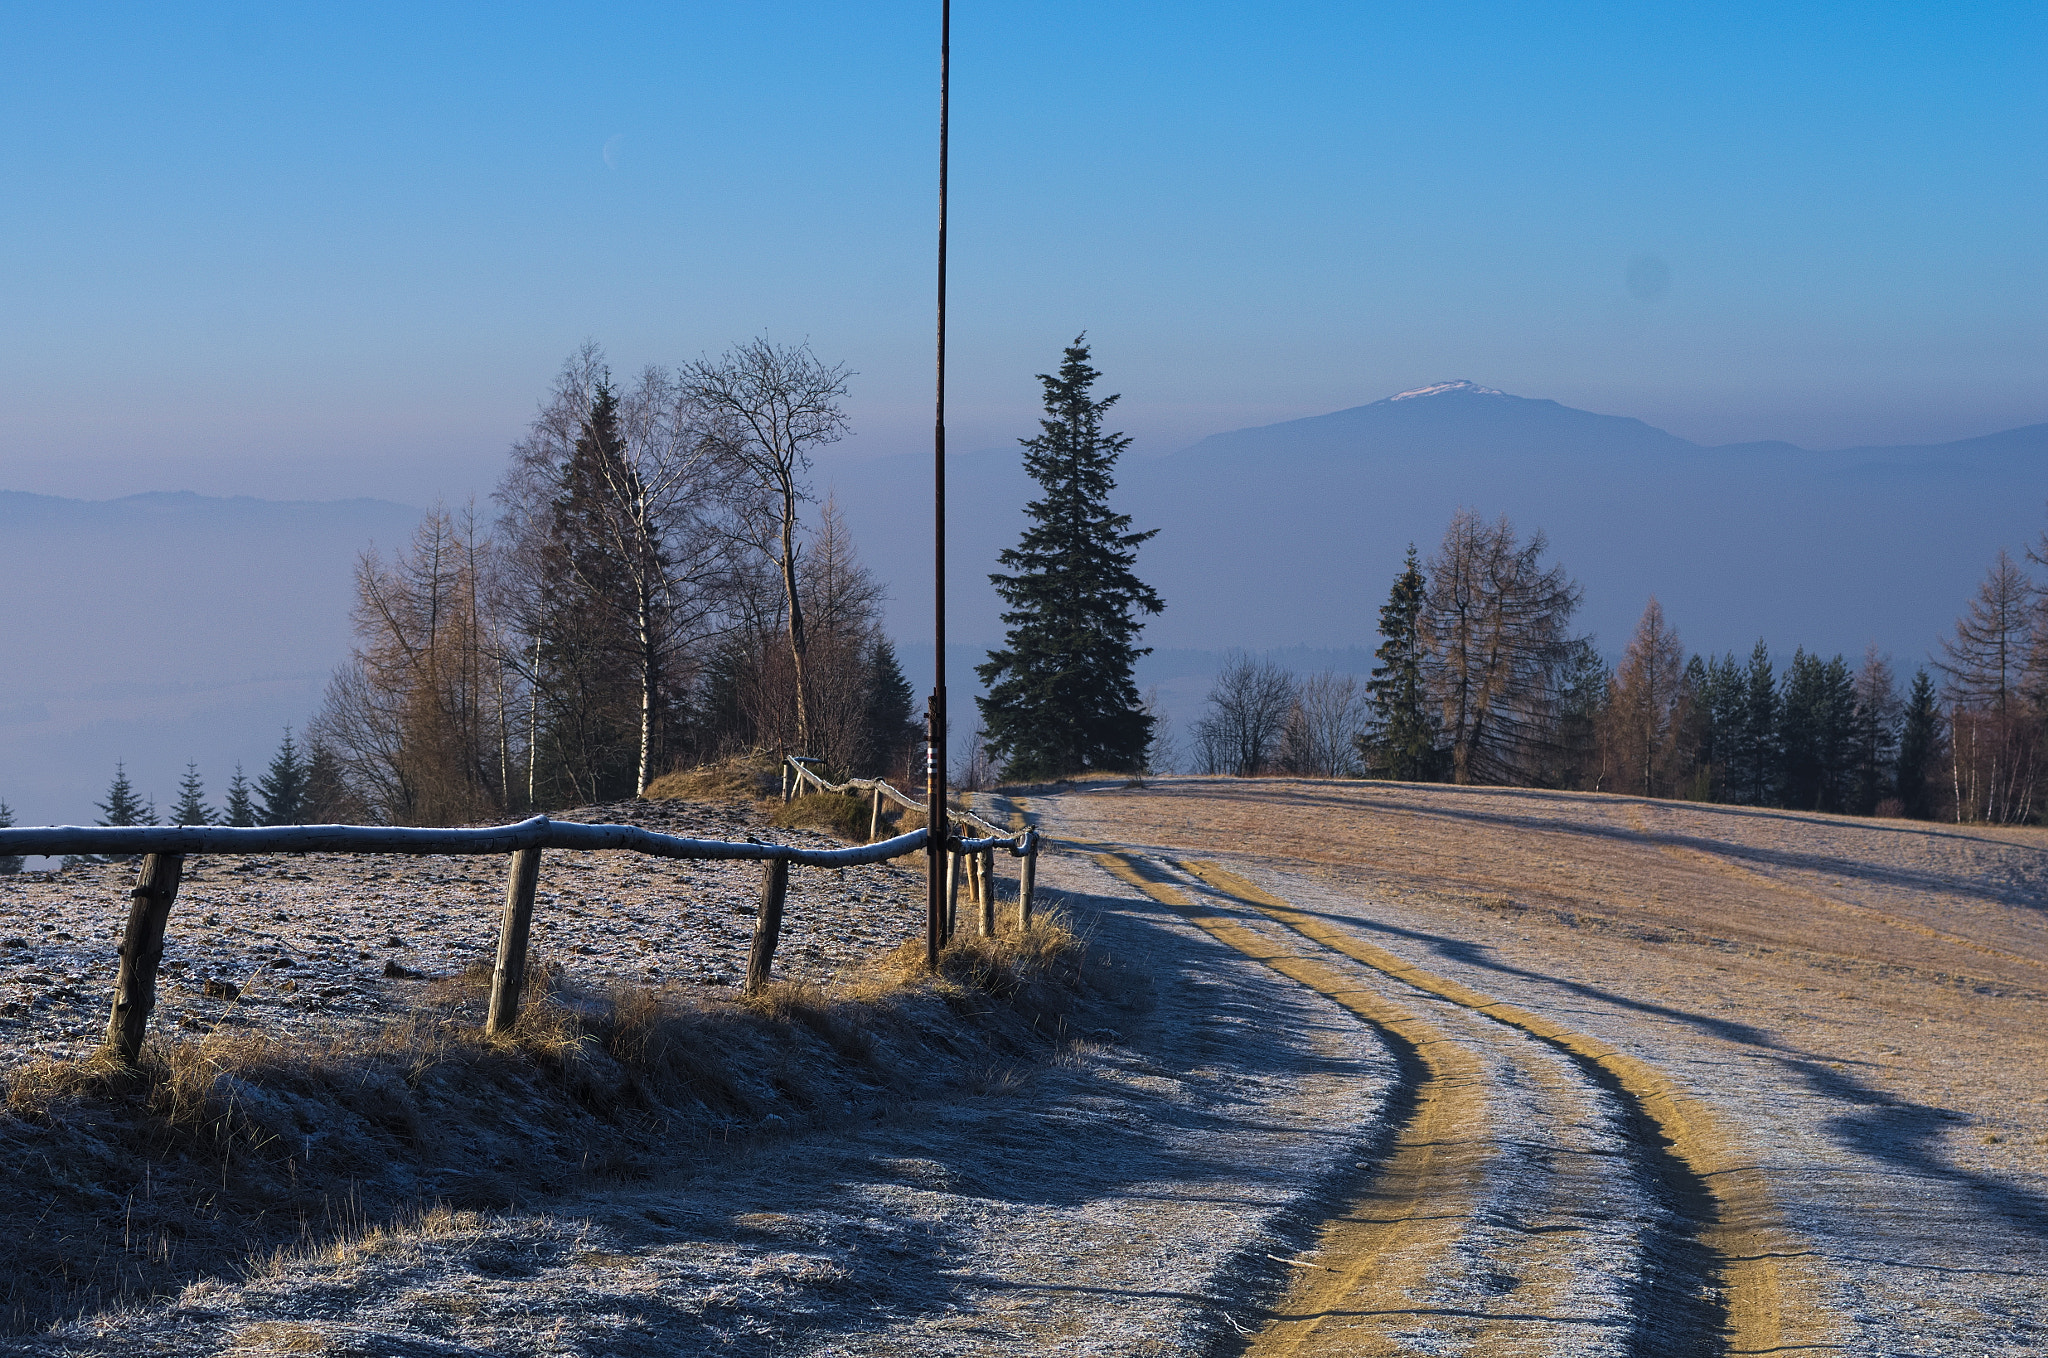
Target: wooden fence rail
column 163, row 848
column 972, row 858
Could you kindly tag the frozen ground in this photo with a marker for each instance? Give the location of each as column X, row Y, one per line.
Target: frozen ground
column 1406, row 1070
column 329, row 941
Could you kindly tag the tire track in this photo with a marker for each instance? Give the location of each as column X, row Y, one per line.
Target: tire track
column 1516, row 1211
column 1404, row 1225
column 1746, row 1274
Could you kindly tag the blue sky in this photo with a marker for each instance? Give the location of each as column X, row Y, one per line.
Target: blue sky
column 340, row 250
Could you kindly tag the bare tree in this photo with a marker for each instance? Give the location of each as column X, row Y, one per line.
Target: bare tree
column 1248, row 706
column 411, row 720
column 1646, row 710
column 770, row 406
column 1162, row 754
column 1994, row 734
column 1319, row 737
column 1495, row 636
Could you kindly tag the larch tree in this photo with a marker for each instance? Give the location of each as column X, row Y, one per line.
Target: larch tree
column 1647, row 708
column 412, row 721
column 1496, row 630
column 1994, row 733
column 1061, row 698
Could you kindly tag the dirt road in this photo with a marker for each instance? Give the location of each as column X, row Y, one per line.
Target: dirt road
column 1392, row 1070
column 1674, row 1078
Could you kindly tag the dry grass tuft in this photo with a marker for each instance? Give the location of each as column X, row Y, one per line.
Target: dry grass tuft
column 129, row 1183
column 841, row 813
column 750, row 777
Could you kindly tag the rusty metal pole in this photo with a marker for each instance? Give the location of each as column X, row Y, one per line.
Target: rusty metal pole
column 935, row 756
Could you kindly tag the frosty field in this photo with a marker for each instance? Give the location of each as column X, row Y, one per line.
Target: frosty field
column 1385, row 1069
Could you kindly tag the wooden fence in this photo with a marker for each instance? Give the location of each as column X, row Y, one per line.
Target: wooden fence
column 163, row 848
column 971, row 859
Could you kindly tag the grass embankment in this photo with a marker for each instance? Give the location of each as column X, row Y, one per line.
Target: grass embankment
column 213, row 1153
column 755, row 777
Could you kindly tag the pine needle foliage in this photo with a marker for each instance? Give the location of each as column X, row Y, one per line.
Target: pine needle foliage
column 239, row 807
column 282, row 787
column 1060, row 698
column 1402, row 741
column 191, row 807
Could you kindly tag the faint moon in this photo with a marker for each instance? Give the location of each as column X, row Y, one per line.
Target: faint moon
column 612, row 147
column 1648, row 278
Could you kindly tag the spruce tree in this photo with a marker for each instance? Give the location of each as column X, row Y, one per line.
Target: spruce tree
column 191, row 808
column 122, row 806
column 1401, row 742
column 1060, row 698
column 282, row 788
column 9, row 862
column 889, row 716
column 238, row 808
column 1919, row 742
column 1753, row 760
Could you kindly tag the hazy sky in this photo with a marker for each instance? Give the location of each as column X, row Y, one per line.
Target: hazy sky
column 327, row 250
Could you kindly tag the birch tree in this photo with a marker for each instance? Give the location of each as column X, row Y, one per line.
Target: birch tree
column 769, row 406
column 614, row 502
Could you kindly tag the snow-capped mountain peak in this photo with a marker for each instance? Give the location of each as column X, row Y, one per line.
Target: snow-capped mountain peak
column 1440, row 388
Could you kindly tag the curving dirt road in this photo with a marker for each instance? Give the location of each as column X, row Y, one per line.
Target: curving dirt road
column 1672, row 1079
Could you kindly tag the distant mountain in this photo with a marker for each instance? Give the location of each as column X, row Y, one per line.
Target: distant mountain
column 1289, row 534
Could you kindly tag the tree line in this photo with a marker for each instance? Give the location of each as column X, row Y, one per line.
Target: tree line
column 1480, row 678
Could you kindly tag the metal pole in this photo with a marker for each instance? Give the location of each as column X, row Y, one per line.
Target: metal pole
column 935, row 759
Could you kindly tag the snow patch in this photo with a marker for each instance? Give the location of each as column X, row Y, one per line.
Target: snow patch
column 1440, row 388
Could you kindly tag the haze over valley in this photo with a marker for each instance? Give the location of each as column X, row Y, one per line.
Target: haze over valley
column 169, row 627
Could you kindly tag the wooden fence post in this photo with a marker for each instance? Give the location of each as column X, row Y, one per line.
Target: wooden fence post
column 142, row 950
column 952, row 892
column 768, row 923
column 508, row 978
column 1027, row 881
column 987, row 860
column 875, row 818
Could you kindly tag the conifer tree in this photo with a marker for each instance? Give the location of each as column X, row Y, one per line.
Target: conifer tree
column 9, row 862
column 890, row 717
column 1919, row 744
column 282, row 788
column 122, row 806
column 1061, row 698
column 191, row 808
column 1401, row 742
column 1753, row 756
column 238, row 808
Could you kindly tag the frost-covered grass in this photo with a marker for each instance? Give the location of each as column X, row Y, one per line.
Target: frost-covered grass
column 315, row 1108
